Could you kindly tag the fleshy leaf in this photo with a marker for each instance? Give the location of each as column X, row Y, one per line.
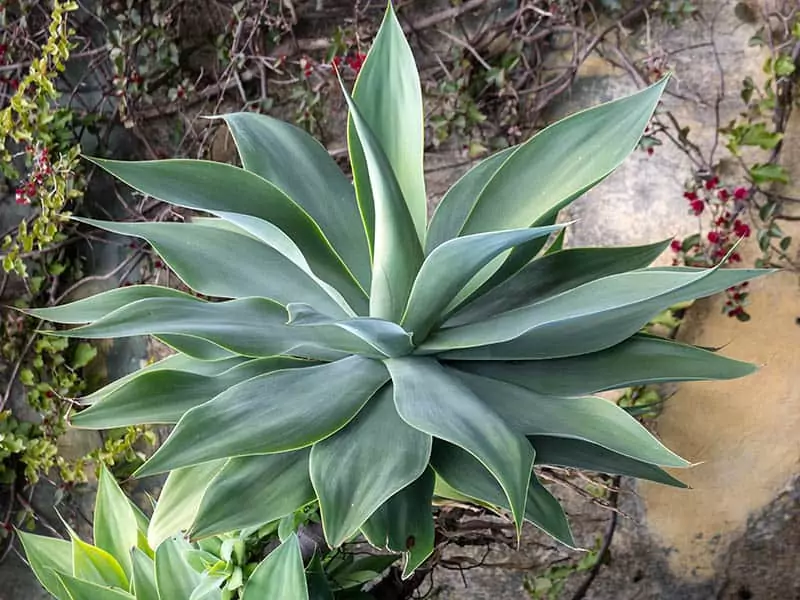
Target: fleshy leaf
column 468, row 477
column 179, row 500
column 455, row 206
column 164, row 395
column 579, row 454
column 349, row 482
column 591, row 419
column 144, row 576
column 431, row 400
column 96, row 565
column 100, row 305
column 552, row 275
column 251, row 490
column 48, row 556
column 638, row 360
column 253, row 327
column 216, row 187
column 224, row 264
column 388, row 95
column 364, row 336
column 276, row 412
column 81, row 589
column 397, row 253
column 405, row 523
column 301, row 167
column 561, row 162
column 589, row 318
column 175, row 578
column 114, row 525
column 279, row 575
column 451, row 266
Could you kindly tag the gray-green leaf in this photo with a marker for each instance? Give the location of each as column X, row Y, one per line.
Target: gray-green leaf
column 349, row 482
column 430, row 399
column 276, row 412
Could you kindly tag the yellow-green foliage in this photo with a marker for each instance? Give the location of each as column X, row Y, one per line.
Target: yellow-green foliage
column 34, row 124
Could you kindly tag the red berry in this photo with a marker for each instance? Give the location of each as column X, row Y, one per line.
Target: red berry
column 697, row 206
column 723, row 195
column 712, row 183
column 735, row 258
column 676, row 246
column 741, row 229
column 690, row 196
column 740, row 193
column 713, row 237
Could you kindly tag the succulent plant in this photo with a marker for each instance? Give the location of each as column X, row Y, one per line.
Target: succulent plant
column 120, row 564
column 346, row 351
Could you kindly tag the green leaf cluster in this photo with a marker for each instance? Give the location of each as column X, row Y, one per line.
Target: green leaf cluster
column 357, row 356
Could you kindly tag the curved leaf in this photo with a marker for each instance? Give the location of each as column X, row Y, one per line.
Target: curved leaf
column 144, row 576
column 80, row 589
column 103, row 304
column 553, row 274
column 470, row 478
column 389, row 97
column 251, row 490
column 216, row 187
column 592, row 317
column 636, row 361
column 254, row 327
column 114, row 526
column 279, row 575
column 196, row 348
column 365, row 336
column 451, row 266
column 174, row 362
column 452, row 211
column 273, row 237
column 397, row 253
column 590, row 419
column 579, row 454
column 561, row 162
column 349, row 482
column 47, row 558
column 224, row 264
column 175, row 578
column 276, row 412
column 164, row 395
column 428, row 398
column 179, row 500
column 96, row 565
column 301, row 167
column 405, row 523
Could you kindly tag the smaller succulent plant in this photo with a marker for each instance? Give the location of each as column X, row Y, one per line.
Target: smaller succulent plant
column 121, row 564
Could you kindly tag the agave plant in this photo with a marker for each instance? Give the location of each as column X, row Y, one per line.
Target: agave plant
column 120, row 564
column 356, row 355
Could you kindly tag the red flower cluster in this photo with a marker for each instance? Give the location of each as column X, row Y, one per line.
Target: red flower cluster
column 741, row 229
column 724, row 206
column 737, row 298
column 354, row 61
column 42, row 168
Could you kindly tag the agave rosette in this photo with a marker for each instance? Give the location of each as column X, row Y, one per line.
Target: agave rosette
column 367, row 359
